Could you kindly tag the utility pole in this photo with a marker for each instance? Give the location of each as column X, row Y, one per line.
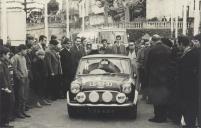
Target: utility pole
column 83, row 15
column 176, row 20
column 67, row 19
column 4, row 20
column 196, row 17
column 185, row 18
column 25, row 7
column 46, row 20
column 106, row 12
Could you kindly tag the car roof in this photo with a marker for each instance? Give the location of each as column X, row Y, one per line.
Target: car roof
column 105, row 56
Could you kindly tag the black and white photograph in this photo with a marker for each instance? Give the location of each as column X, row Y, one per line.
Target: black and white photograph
column 100, row 63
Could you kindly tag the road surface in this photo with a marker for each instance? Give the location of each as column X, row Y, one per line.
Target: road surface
column 55, row 116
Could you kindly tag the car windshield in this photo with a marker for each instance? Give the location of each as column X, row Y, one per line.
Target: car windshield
column 104, row 66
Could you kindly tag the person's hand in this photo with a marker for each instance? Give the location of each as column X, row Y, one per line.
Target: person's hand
column 6, row 90
column 52, row 74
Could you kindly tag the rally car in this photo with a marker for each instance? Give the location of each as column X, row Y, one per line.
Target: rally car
column 103, row 84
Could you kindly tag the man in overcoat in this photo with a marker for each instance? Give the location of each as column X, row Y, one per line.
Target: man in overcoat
column 54, row 70
column 189, row 82
column 66, row 64
column 157, row 69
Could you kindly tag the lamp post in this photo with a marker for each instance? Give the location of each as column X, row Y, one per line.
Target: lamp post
column 67, row 19
column 46, row 19
column 196, row 17
column 176, row 19
column 184, row 18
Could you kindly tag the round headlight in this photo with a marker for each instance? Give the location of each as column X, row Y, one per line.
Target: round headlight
column 121, row 98
column 93, row 97
column 107, row 96
column 127, row 88
column 75, row 88
column 81, row 97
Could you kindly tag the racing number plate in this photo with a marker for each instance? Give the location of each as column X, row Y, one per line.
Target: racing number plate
column 100, row 84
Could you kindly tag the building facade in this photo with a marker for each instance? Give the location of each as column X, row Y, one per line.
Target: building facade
column 13, row 21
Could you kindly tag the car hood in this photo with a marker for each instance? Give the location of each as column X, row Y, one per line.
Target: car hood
column 103, row 82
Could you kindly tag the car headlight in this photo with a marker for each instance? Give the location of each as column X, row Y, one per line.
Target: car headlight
column 75, row 88
column 94, row 97
column 121, row 98
column 107, row 96
column 81, row 97
column 127, row 88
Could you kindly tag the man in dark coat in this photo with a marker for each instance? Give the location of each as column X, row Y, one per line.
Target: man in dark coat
column 189, row 82
column 157, row 69
column 5, row 88
column 67, row 65
column 78, row 52
column 52, row 60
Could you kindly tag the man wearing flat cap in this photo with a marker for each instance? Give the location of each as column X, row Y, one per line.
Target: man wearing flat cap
column 52, row 60
column 157, row 69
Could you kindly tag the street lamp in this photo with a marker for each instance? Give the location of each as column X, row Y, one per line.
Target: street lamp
column 67, row 19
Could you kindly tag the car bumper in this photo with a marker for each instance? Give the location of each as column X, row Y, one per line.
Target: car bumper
column 87, row 105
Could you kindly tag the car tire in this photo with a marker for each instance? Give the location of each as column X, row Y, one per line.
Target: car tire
column 132, row 112
column 72, row 112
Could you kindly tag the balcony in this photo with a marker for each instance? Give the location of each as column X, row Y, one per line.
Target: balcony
column 142, row 25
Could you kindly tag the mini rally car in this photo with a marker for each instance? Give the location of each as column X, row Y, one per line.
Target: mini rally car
column 103, row 83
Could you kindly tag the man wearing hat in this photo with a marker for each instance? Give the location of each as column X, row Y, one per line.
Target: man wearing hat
column 158, row 78
column 5, row 88
column 52, row 60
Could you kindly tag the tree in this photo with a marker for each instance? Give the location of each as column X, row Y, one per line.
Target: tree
column 53, row 7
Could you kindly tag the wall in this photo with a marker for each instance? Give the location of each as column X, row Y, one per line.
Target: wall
column 16, row 22
column 161, row 8
column 54, row 29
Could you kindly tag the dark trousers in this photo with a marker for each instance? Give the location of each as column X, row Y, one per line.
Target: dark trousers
column 66, row 81
column 22, row 94
column 160, row 112
column 39, row 87
column 12, row 103
column 53, row 87
column 190, row 113
column 5, row 108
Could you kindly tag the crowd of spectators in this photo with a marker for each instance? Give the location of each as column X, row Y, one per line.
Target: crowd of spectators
column 37, row 73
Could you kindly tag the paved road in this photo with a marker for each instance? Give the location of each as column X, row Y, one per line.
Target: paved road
column 55, row 116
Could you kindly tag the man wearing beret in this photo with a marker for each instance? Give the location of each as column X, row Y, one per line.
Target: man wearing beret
column 5, row 88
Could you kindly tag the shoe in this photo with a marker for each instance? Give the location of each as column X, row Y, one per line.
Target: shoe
column 26, row 115
column 44, row 102
column 49, row 101
column 38, row 105
column 21, row 116
column 6, row 126
column 157, row 120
